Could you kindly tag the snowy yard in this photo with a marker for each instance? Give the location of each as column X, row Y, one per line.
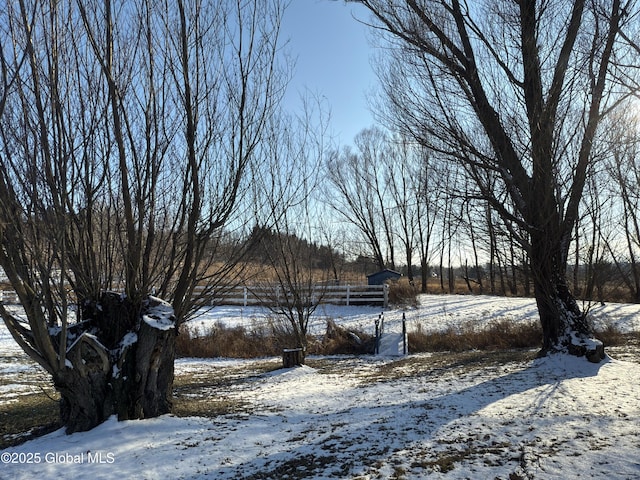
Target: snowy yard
column 474, row 415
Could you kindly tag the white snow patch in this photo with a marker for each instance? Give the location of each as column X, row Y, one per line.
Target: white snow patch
column 128, row 340
column 86, row 335
column 392, row 344
column 539, row 419
column 159, row 323
column 589, row 343
column 160, row 316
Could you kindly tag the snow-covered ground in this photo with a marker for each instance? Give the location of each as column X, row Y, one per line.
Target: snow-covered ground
column 433, row 313
column 424, row 416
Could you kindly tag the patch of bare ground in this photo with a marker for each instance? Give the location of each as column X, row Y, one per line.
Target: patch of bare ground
column 457, row 363
column 204, row 391
column 29, row 416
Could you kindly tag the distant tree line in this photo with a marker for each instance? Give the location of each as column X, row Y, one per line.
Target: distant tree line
column 266, row 243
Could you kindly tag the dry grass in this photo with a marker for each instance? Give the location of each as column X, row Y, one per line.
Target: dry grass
column 192, row 397
column 235, row 342
column 256, row 273
column 338, row 340
column 611, row 335
column 435, row 364
column 627, row 350
column 435, row 287
column 267, row 341
column 401, row 292
column 500, row 334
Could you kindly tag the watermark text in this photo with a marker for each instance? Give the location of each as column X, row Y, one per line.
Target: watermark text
column 26, row 458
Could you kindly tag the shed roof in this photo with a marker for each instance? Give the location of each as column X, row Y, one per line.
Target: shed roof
column 385, row 270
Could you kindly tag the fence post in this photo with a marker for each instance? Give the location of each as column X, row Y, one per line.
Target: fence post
column 244, row 295
column 348, row 294
column 376, row 348
column 385, row 289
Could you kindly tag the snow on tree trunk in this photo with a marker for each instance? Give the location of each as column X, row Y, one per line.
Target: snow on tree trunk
column 120, row 360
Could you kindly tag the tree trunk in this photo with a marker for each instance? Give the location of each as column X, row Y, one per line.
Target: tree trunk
column 451, row 279
column 120, row 362
column 564, row 325
column 424, row 275
column 83, row 403
column 409, row 255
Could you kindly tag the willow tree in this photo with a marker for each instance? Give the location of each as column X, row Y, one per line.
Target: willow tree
column 128, row 134
column 514, row 92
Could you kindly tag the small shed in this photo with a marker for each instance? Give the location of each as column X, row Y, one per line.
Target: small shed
column 382, row 276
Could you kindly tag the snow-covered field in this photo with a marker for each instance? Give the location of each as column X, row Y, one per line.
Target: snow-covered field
column 434, row 312
column 425, row 416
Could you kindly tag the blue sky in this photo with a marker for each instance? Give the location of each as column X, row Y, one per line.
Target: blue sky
column 333, row 60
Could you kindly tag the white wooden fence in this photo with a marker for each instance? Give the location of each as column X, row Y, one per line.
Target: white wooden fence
column 261, row 295
column 335, row 294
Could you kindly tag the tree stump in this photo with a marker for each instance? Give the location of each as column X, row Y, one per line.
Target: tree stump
column 292, row 357
column 120, row 361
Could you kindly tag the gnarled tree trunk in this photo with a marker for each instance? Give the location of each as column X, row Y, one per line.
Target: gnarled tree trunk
column 119, row 362
column 564, row 325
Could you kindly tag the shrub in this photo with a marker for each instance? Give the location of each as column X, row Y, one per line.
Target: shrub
column 500, row 334
column 222, row 341
column 401, row 292
column 610, row 335
column 339, row 340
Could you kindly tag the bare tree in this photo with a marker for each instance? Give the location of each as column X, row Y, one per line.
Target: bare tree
column 352, row 192
column 430, row 197
column 402, row 171
column 418, row 179
column 295, row 281
column 515, row 90
column 129, row 133
column 623, row 167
